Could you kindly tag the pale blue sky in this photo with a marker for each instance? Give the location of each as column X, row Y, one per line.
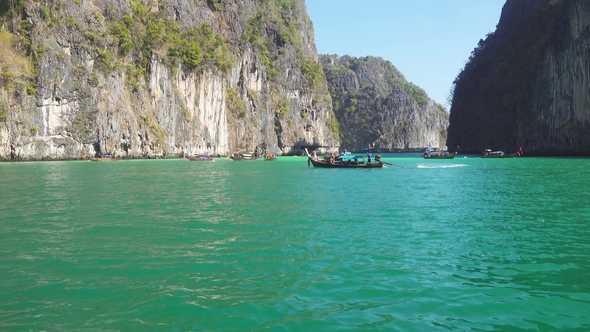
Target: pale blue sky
column 428, row 41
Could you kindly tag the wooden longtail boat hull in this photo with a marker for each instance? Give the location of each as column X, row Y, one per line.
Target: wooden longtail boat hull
column 506, row 155
column 198, row 159
column 326, row 164
column 441, row 156
column 243, row 156
column 105, row 159
column 240, row 159
column 86, row 158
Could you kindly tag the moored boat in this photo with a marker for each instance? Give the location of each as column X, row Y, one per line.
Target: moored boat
column 104, row 157
column 326, row 164
column 433, row 154
column 270, row 156
column 243, row 156
column 488, row 153
column 343, row 161
column 200, row 157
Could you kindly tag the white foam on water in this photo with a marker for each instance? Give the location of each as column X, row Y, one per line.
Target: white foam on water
column 442, row 166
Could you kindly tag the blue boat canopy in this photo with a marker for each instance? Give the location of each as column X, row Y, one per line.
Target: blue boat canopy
column 349, row 156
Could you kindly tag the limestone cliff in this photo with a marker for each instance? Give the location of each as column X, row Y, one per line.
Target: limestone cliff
column 375, row 104
column 150, row 78
column 528, row 83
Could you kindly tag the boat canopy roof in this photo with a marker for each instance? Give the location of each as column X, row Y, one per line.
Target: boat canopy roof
column 350, row 156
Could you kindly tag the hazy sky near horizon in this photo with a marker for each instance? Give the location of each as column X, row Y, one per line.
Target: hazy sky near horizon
column 428, row 41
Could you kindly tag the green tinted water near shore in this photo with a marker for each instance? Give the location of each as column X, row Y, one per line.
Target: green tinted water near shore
column 171, row 245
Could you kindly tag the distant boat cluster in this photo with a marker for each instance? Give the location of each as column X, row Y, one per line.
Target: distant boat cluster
column 343, row 159
column 104, row 157
column 431, row 153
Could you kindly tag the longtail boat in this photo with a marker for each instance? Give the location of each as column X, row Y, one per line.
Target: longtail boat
column 243, row 156
column 200, row 157
column 104, row 157
column 343, row 161
column 433, row 154
column 488, row 153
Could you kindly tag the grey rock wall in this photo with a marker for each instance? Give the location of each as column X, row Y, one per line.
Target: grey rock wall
column 81, row 108
column 375, row 105
column 528, row 83
column 556, row 106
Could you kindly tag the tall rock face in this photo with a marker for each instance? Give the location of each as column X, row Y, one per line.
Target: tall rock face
column 528, row 83
column 375, row 104
column 151, row 78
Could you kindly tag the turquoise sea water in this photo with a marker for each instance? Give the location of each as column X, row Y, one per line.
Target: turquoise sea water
column 468, row 244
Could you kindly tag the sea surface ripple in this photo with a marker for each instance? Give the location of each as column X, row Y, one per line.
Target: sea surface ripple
column 422, row 245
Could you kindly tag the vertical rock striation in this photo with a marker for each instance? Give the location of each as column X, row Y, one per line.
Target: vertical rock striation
column 528, row 83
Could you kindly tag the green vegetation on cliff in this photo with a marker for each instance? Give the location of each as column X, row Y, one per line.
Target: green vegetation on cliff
column 278, row 14
column 130, row 42
column 149, row 32
column 143, row 77
column 374, row 103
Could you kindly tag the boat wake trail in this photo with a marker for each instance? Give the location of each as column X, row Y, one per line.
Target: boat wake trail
column 442, row 166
